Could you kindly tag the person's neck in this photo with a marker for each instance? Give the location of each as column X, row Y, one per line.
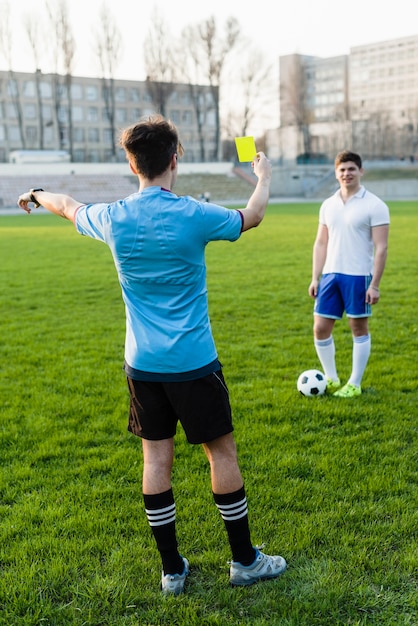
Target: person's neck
column 346, row 194
column 165, row 182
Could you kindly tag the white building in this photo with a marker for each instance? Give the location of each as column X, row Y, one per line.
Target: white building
column 366, row 100
column 84, row 115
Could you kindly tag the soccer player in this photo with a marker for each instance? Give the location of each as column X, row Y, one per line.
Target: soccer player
column 158, row 243
column 349, row 257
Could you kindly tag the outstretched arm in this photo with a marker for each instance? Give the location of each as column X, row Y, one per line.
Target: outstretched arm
column 57, row 203
column 256, row 207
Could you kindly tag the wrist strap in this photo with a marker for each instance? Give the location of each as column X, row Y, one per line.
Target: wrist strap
column 32, row 197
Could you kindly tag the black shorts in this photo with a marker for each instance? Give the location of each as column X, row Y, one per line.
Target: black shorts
column 202, row 406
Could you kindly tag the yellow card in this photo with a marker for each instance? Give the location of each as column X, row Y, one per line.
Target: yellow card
column 246, row 148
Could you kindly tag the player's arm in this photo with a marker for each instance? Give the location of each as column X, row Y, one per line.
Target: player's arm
column 380, row 236
column 319, row 255
column 57, row 203
column 256, row 207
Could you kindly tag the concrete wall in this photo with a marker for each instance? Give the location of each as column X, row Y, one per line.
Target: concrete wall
column 100, row 169
column 319, row 182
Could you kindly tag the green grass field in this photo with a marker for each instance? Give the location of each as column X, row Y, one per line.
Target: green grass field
column 331, row 483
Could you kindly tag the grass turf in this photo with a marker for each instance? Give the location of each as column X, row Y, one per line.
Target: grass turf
column 331, row 483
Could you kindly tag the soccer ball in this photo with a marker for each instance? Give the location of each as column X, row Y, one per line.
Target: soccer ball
column 312, row 383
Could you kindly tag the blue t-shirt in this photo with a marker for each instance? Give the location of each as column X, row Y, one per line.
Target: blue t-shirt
column 158, row 242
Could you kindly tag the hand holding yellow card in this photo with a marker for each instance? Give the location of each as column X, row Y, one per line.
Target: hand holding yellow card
column 246, row 148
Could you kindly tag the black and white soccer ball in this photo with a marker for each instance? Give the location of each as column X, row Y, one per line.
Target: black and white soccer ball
column 312, row 383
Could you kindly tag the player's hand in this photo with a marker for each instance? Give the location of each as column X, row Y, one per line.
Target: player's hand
column 313, row 288
column 261, row 166
column 23, row 202
column 372, row 295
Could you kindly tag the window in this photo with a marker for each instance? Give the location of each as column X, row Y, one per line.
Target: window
column 64, row 137
column 79, row 155
column 78, row 114
column 134, row 115
column 12, row 87
column 11, row 111
column 45, row 89
column 135, row 94
column 29, row 111
column 108, row 155
column 29, row 89
column 92, row 114
column 120, row 94
column 14, row 133
column 48, row 134
column 92, row 92
column 93, row 156
column 62, row 91
column 31, row 134
column 121, row 116
column 107, row 136
column 93, row 135
column 63, row 113
column 76, row 92
column 78, row 135
column 187, row 117
column 211, row 119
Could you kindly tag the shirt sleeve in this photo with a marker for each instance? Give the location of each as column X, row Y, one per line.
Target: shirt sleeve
column 380, row 216
column 93, row 221
column 221, row 223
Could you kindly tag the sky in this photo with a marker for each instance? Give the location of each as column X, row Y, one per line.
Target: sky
column 315, row 27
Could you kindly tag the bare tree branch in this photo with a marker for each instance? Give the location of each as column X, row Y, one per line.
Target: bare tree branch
column 160, row 64
column 63, row 44
column 109, row 51
column 217, row 48
column 6, row 47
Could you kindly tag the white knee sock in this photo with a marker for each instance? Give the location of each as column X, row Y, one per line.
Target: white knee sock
column 361, row 352
column 325, row 349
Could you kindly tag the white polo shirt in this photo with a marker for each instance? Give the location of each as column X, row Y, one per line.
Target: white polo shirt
column 350, row 243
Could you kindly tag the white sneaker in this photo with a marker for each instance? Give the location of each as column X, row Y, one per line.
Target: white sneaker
column 263, row 567
column 173, row 584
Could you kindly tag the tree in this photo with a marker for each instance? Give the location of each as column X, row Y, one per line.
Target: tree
column 13, row 85
column 32, row 29
column 190, row 63
column 63, row 50
column 109, row 51
column 160, row 64
column 294, row 103
column 251, row 91
column 216, row 48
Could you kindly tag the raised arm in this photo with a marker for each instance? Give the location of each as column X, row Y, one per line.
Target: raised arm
column 256, row 207
column 57, row 203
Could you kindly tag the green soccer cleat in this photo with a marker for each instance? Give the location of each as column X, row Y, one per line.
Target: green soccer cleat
column 348, row 391
column 333, row 385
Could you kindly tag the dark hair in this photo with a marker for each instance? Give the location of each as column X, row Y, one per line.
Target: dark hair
column 151, row 143
column 347, row 155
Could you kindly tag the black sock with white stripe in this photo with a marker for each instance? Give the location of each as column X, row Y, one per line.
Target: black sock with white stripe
column 161, row 515
column 234, row 512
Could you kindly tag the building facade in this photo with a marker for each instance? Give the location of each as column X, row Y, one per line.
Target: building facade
column 366, row 100
column 85, row 115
